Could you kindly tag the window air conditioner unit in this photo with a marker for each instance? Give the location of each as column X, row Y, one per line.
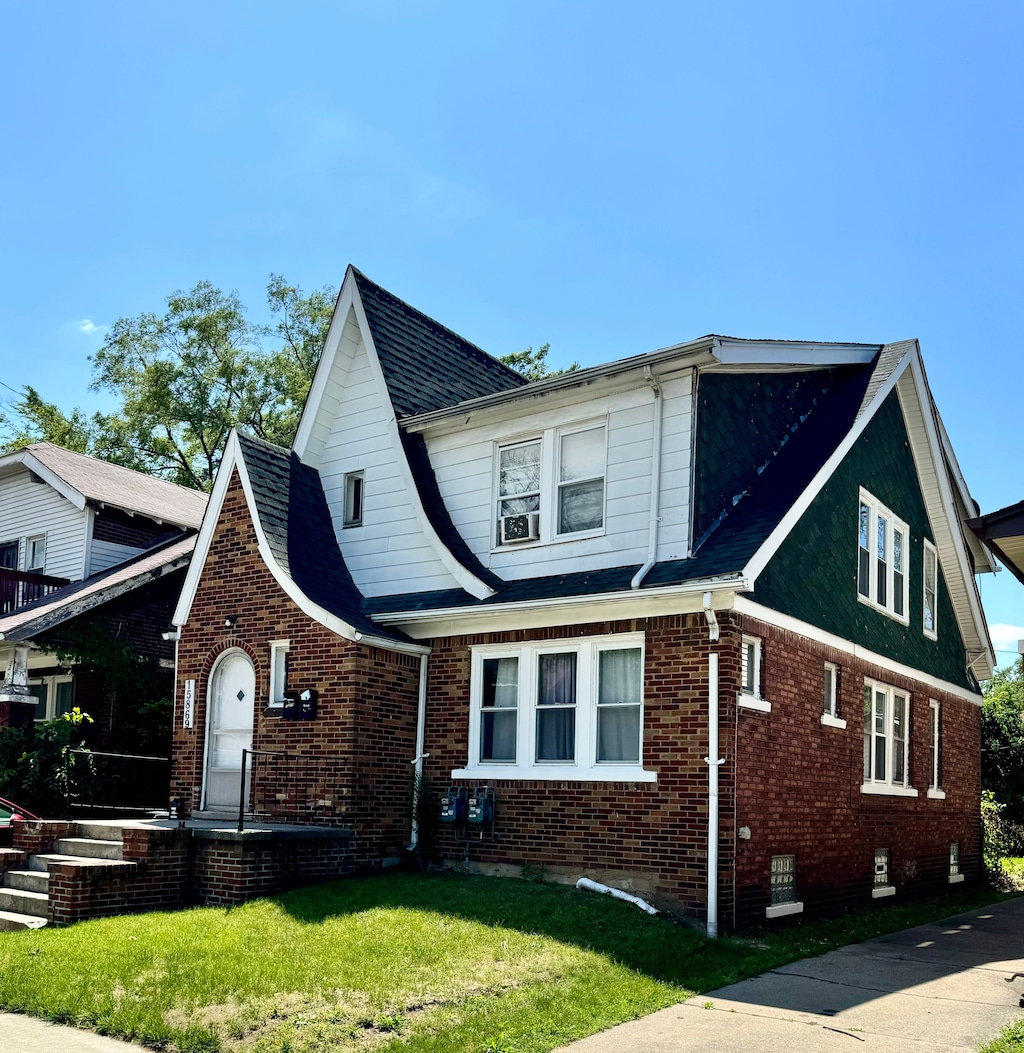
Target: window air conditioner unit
column 523, row 526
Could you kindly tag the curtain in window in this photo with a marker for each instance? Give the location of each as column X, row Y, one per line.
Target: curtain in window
column 498, row 711
column 556, row 707
column 618, row 705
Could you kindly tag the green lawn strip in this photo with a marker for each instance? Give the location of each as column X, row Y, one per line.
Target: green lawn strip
column 403, row 962
column 1010, row 1040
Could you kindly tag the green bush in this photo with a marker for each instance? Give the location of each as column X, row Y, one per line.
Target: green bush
column 1002, row 837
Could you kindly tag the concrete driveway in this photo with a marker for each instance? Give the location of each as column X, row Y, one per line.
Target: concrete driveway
column 939, row 988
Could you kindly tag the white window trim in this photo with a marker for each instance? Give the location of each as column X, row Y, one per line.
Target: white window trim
column 550, row 440
column 876, row 508
column 882, row 891
column 780, row 910
column 935, row 791
column 278, row 649
column 752, row 700
column 885, row 787
column 51, row 691
column 830, row 717
column 41, row 569
column 586, row 767
column 933, row 633
column 349, row 481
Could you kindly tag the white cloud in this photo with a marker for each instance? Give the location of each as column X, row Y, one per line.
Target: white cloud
column 90, row 328
column 1004, row 638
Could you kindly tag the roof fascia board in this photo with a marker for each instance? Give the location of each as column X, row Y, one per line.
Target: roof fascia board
column 746, row 606
column 567, row 610
column 47, row 474
column 950, row 542
column 771, row 545
column 463, row 577
column 697, row 352
column 311, row 408
column 90, row 602
column 733, row 351
column 233, row 460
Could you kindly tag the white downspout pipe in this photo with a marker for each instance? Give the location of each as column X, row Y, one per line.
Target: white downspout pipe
column 652, row 542
column 421, row 733
column 713, row 762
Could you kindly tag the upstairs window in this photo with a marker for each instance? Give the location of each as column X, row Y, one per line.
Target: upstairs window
column 882, row 558
column 931, row 589
column 9, row 555
column 551, row 487
column 353, row 499
column 35, row 554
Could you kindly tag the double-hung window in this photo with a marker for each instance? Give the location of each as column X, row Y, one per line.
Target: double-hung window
column 931, row 590
column 35, row 554
column 557, row 710
column 886, row 740
column 552, row 486
column 935, row 791
column 882, row 558
column 54, row 695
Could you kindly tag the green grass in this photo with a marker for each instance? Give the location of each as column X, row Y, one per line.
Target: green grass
column 1010, row 1041
column 1013, row 868
column 405, row 962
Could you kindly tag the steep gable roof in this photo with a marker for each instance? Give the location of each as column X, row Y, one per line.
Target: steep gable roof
column 426, row 366
column 83, row 479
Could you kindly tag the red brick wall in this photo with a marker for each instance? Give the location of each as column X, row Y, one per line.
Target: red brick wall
column 364, row 733
column 799, row 785
column 650, row 837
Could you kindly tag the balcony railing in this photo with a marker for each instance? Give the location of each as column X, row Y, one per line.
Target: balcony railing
column 21, row 587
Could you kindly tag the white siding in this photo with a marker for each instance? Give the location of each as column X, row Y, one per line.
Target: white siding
column 28, row 508
column 390, row 552
column 463, row 463
column 105, row 554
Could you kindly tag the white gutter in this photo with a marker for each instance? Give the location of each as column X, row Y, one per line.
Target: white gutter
column 421, row 731
column 713, row 762
column 652, row 543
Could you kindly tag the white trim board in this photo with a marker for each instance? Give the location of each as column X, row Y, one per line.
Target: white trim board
column 812, row 632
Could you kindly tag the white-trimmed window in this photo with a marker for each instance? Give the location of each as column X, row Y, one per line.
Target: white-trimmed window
column 9, row 555
column 353, row 514
column 551, row 486
column 35, row 554
column 935, row 790
column 830, row 697
column 882, row 883
column 882, row 558
column 55, row 695
column 886, row 740
column 931, row 591
column 750, row 675
column 278, row 671
column 569, row 709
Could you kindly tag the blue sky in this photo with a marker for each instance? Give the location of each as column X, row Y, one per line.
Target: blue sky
column 608, row 178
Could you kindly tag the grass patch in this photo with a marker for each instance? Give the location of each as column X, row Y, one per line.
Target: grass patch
column 1013, row 870
column 1011, row 1040
column 406, row 962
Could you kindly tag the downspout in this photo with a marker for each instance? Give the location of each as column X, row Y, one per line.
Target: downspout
column 421, row 732
column 713, row 762
column 652, row 543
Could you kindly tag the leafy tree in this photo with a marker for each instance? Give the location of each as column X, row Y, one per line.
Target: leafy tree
column 183, row 379
column 1002, row 740
column 533, row 364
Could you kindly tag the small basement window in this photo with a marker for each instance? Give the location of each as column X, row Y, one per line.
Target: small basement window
column 783, row 888
column 955, row 874
column 353, row 499
column 882, row 885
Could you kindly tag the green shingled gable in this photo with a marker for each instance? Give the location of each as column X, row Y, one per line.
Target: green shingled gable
column 813, row 576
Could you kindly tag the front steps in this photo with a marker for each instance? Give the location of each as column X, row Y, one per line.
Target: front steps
column 25, row 883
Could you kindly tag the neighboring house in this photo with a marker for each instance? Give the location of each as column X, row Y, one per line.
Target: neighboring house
column 84, row 542
column 700, row 622
column 1003, row 532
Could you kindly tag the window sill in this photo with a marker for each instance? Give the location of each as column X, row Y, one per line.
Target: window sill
column 780, row 910
column 881, row 789
column 883, row 610
column 833, row 722
column 955, row 879
column 557, row 773
column 762, row 705
column 881, row 893
column 557, row 539
column 935, row 794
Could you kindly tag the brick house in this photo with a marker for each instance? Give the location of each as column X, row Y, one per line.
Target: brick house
column 84, row 543
column 701, row 623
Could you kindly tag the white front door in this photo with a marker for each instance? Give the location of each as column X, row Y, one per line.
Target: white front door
column 229, row 728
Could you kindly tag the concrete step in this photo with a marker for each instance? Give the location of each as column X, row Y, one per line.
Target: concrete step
column 24, row 902
column 27, row 880
column 99, row 830
column 12, row 921
column 41, row 862
column 88, row 846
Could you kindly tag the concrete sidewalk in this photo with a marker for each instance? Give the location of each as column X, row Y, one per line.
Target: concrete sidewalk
column 941, row 988
column 27, row 1034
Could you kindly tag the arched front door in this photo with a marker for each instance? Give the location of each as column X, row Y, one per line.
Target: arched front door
column 231, row 699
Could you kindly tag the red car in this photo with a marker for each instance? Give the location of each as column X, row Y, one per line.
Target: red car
column 8, row 811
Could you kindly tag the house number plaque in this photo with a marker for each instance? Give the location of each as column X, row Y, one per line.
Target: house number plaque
column 190, row 698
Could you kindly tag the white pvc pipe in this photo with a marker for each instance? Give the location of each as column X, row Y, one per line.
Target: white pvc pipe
column 421, row 734
column 713, row 762
column 652, row 532
column 596, row 886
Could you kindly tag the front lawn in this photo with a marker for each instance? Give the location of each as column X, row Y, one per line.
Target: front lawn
column 406, row 962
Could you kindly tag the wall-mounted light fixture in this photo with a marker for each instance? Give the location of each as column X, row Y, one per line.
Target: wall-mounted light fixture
column 230, row 621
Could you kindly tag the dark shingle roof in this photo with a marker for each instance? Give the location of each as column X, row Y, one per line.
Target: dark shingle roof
column 293, row 512
column 427, row 366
